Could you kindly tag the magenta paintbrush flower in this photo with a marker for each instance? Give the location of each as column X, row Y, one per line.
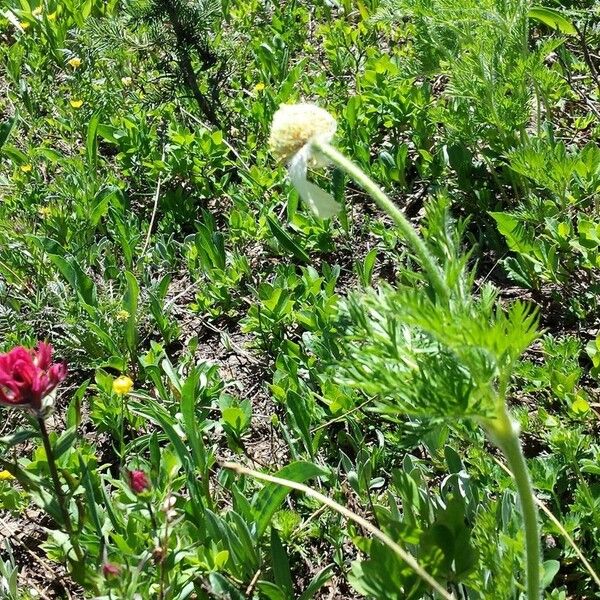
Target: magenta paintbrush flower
column 28, row 376
column 138, row 481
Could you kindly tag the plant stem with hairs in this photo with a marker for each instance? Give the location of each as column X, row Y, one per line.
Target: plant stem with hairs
column 503, row 433
column 409, row 233
column 499, row 429
column 60, row 496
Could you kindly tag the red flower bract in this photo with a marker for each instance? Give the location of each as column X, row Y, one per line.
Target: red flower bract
column 110, row 570
column 138, row 481
column 28, row 376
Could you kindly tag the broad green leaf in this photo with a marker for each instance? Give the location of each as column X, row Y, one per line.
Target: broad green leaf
column 6, row 128
column 244, row 543
column 190, row 419
column 550, row 569
column 553, row 19
column 286, row 241
column 79, row 281
column 270, row 590
column 18, row 437
column 223, row 588
column 64, row 442
column 512, row 229
column 281, row 565
column 74, row 409
column 161, row 417
column 270, row 498
column 108, row 196
column 91, row 498
column 297, row 405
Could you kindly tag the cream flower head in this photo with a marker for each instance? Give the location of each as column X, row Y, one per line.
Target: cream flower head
column 293, row 129
column 294, row 125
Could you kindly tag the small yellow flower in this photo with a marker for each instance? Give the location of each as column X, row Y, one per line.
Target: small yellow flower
column 26, row 168
column 126, row 81
column 76, row 103
column 123, row 315
column 122, row 385
column 24, row 24
column 4, row 475
column 259, row 87
column 52, row 16
column 36, row 12
column 44, row 211
column 75, row 62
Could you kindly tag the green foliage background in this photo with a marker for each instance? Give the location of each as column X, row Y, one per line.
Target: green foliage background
column 145, row 230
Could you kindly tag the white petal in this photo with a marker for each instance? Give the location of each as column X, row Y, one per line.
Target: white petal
column 319, row 201
column 298, row 165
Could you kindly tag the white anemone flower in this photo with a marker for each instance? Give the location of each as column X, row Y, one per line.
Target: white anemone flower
column 293, row 129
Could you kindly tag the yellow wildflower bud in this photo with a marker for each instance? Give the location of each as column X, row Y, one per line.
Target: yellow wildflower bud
column 75, row 62
column 52, row 16
column 26, row 168
column 294, row 125
column 4, row 475
column 36, row 12
column 122, row 385
column 44, row 211
column 76, row 103
column 259, row 87
column 24, row 24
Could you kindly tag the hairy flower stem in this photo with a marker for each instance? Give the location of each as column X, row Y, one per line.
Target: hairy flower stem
column 503, row 434
column 410, row 234
column 60, row 497
column 500, row 430
column 122, row 433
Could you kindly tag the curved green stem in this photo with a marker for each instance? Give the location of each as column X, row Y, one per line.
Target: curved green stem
column 54, row 475
column 408, row 558
column 411, row 236
column 503, row 434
